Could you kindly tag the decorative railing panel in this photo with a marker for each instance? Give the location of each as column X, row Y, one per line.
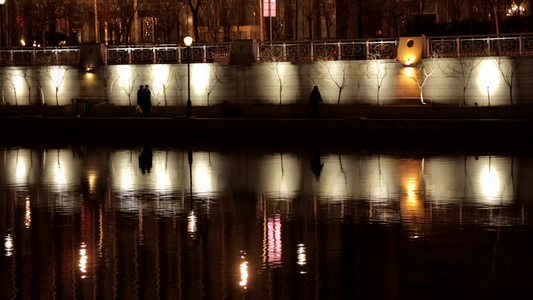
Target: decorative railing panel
column 354, row 50
column 40, row 56
column 492, row 45
column 166, row 54
column 316, row 51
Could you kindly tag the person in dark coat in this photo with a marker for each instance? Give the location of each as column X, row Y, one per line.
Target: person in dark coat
column 145, row 160
column 140, row 94
column 147, row 101
column 314, row 100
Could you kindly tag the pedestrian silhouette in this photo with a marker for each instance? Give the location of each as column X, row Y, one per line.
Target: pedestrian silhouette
column 146, row 102
column 314, row 100
column 316, row 163
column 145, row 160
column 140, row 95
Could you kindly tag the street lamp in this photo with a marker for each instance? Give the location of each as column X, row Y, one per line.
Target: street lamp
column 2, row 2
column 188, row 42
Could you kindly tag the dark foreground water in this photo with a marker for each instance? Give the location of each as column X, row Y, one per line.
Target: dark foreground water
column 82, row 222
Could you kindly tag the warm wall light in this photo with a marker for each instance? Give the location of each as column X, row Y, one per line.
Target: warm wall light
column 410, row 50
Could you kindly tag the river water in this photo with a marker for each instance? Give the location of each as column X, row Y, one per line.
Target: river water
column 244, row 222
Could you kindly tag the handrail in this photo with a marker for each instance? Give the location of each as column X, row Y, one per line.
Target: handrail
column 289, row 51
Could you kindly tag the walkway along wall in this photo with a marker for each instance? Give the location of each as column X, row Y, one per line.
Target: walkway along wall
column 485, row 82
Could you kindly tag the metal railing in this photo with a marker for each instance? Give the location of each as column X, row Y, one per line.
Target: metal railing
column 159, row 54
column 481, row 45
column 293, row 51
column 39, row 56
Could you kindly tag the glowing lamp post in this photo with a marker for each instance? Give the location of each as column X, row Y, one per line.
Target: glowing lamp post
column 188, row 42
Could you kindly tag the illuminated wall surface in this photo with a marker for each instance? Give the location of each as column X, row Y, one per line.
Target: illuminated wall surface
column 120, row 223
column 486, row 81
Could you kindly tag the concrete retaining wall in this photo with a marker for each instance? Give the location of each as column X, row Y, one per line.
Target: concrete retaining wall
column 280, row 83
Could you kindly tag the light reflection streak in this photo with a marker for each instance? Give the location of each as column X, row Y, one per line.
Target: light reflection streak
column 8, row 244
column 243, row 267
column 92, row 183
column 274, row 240
column 83, row 260
column 301, row 256
column 27, row 214
column 191, row 222
column 488, row 78
column 202, row 175
column 162, row 176
column 200, row 76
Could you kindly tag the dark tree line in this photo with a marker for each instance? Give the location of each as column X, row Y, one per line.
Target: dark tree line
column 55, row 22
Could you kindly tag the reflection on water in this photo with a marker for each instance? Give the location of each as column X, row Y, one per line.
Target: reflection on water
column 156, row 223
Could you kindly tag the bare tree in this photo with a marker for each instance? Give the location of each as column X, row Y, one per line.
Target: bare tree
column 461, row 70
column 338, row 77
column 108, row 77
column 358, row 71
column 376, row 72
column 273, row 56
column 213, row 80
column 508, row 68
column 165, row 83
column 456, row 10
column 195, row 5
column 167, row 14
column 26, row 74
column 129, row 83
column 161, row 78
column 232, row 13
column 420, row 75
column 56, row 74
column 44, row 14
column 210, row 16
column 180, row 74
column 328, row 12
column 127, row 10
column 395, row 13
column 310, row 12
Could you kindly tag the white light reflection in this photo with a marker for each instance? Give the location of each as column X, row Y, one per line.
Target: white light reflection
column 83, row 260
column 57, row 74
column 274, row 240
column 126, row 178
column 60, row 178
column 60, row 168
column 160, row 76
column 490, row 184
column 488, row 78
column 162, row 177
column 20, row 169
column 18, row 82
column 243, row 267
column 301, row 256
column 92, row 183
column 8, row 244
column 202, row 178
column 125, row 75
column 280, row 175
column 191, row 222
column 200, row 76
column 27, row 215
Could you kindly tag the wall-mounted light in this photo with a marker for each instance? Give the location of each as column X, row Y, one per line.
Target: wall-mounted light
column 410, row 50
